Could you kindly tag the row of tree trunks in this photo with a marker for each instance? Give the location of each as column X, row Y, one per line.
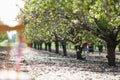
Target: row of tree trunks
column 48, row 46
column 64, row 48
column 111, row 46
column 37, row 45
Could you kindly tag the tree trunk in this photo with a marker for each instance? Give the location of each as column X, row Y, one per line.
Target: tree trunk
column 49, row 46
column 56, row 44
column 29, row 45
column 111, row 53
column 56, row 47
column 119, row 47
column 64, row 48
column 35, row 45
column 40, row 45
column 45, row 46
column 78, row 52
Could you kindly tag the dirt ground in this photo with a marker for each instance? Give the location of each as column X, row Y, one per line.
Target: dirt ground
column 44, row 65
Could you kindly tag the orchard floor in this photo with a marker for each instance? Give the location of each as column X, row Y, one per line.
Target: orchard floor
column 44, row 65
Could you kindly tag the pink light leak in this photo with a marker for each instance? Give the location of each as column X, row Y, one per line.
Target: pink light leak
column 19, row 54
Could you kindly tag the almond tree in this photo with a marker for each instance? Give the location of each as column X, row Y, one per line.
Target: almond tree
column 102, row 19
column 105, row 24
